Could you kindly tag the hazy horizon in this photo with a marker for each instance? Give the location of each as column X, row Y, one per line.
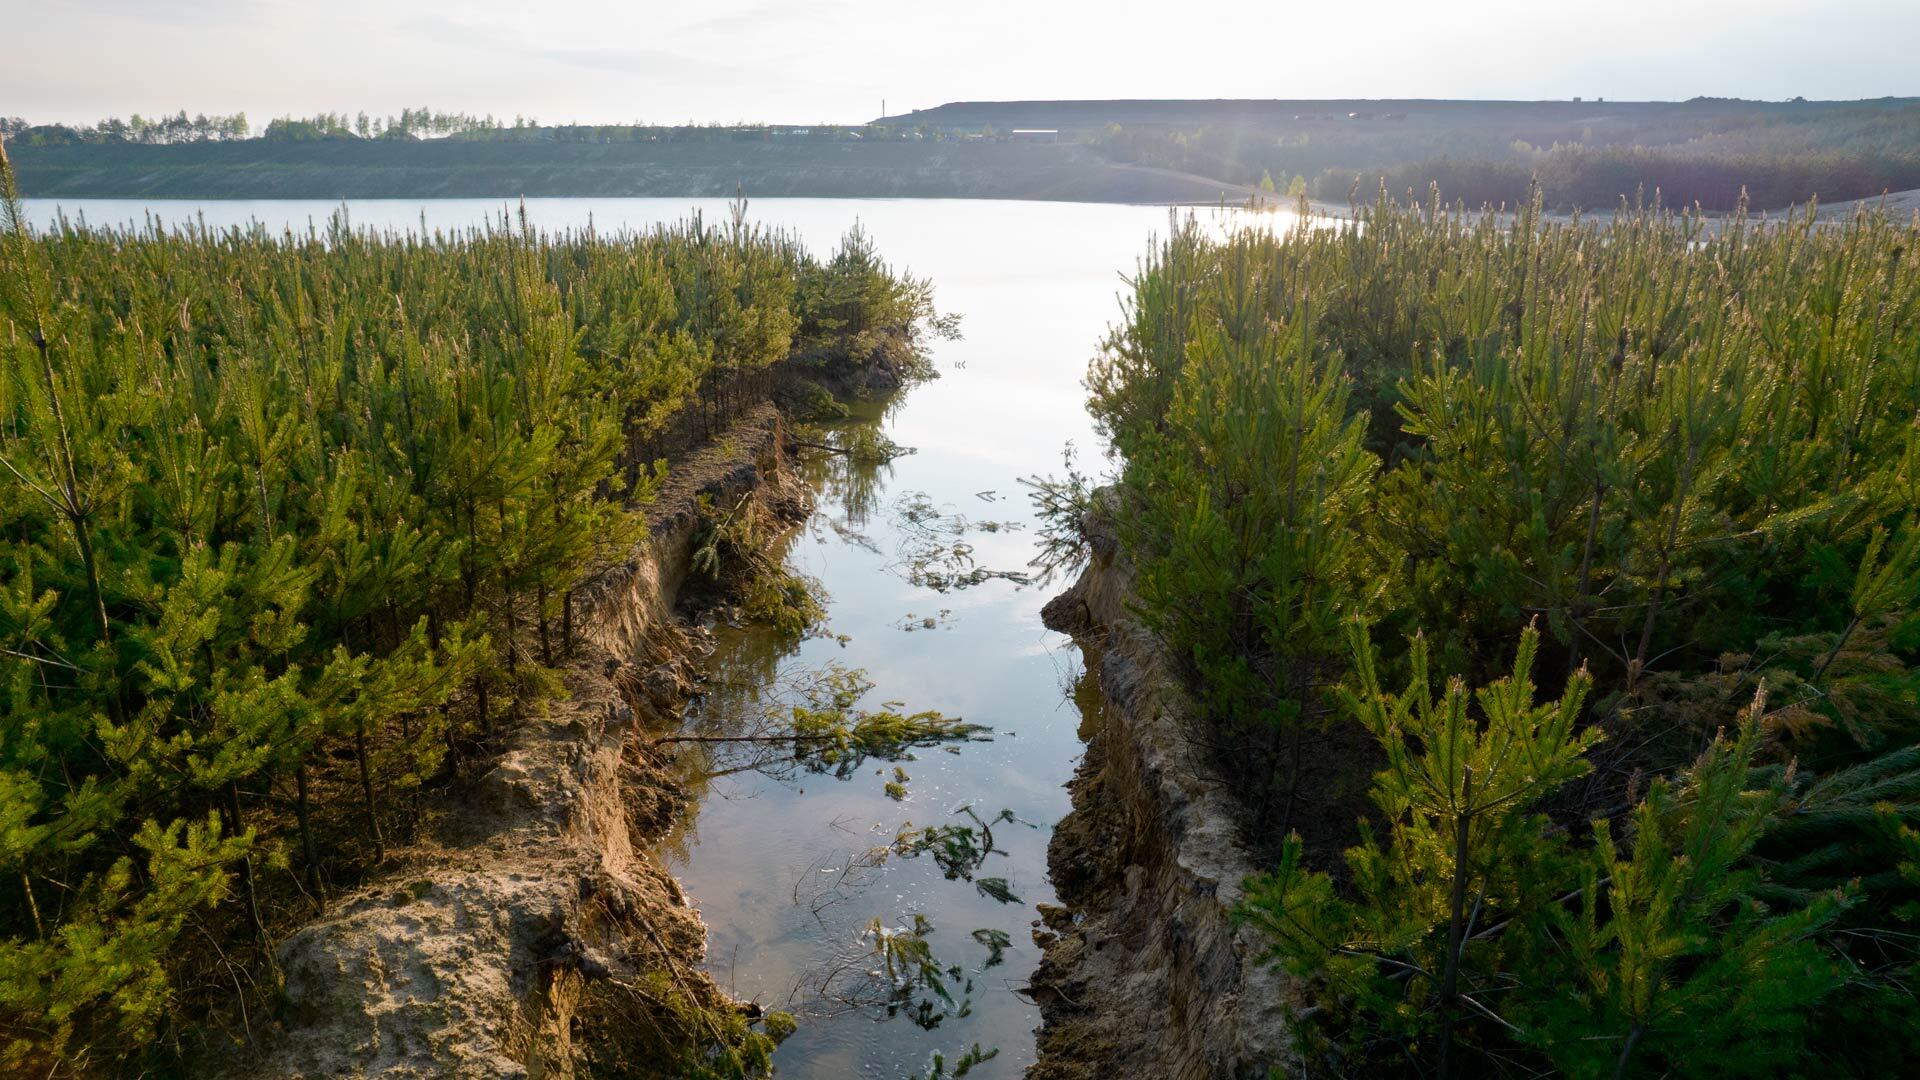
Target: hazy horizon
column 745, row 60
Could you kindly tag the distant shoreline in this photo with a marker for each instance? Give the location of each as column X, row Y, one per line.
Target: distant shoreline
column 334, row 170
column 258, row 169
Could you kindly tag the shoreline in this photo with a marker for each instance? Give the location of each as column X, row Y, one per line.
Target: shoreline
column 293, row 170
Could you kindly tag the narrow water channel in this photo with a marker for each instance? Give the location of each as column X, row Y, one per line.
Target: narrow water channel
column 791, row 871
column 784, row 866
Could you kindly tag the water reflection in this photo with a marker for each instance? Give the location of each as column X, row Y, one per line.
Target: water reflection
column 877, row 955
column 883, row 902
column 852, row 480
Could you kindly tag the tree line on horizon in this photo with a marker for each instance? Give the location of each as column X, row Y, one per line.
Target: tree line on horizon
column 423, row 123
column 234, row 127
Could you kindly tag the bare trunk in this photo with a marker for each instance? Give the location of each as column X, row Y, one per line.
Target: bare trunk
column 546, row 639
column 83, row 536
column 251, row 895
column 77, row 515
column 1839, row 643
column 303, row 811
column 1626, row 1052
column 366, row 792
column 33, row 905
column 1456, row 926
column 1579, row 613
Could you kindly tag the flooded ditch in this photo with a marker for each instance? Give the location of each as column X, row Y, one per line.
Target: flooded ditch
column 800, row 873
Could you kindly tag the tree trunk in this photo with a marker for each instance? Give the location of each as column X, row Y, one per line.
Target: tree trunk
column 83, row 536
column 302, row 811
column 1456, row 926
column 1578, row 615
column 248, row 892
column 33, row 906
column 1626, row 1052
column 77, row 514
column 546, row 639
column 1838, row 644
column 366, row 792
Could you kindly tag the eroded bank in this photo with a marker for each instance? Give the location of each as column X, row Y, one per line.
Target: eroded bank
column 1145, row 972
column 532, row 931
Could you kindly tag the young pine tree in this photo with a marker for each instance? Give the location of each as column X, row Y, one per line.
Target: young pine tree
column 1478, row 932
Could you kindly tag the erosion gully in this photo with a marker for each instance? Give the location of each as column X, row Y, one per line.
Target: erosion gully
column 920, row 560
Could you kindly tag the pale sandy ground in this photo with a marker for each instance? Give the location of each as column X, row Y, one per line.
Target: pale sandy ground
column 1898, row 203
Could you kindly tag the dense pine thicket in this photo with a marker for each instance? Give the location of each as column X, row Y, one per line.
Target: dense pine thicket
column 291, row 525
column 1673, row 831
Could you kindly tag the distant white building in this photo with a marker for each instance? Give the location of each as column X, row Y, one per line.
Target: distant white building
column 1035, row 135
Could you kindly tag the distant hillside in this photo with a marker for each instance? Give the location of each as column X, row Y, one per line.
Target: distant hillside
column 383, row 168
column 1612, row 117
column 1588, row 154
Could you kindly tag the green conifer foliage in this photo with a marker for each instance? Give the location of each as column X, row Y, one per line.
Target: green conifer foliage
column 1686, row 451
column 1476, row 931
column 1676, row 965
column 1463, row 849
column 289, row 525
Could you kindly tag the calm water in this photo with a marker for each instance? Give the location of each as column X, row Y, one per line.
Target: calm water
column 775, row 861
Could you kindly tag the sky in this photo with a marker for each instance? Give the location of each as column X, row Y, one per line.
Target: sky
column 808, row 61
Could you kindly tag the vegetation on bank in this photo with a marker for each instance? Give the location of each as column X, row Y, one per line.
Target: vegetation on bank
column 1599, row 178
column 1583, row 156
column 293, row 524
column 334, row 169
column 1674, row 829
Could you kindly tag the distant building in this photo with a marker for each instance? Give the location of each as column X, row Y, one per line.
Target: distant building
column 1035, row 135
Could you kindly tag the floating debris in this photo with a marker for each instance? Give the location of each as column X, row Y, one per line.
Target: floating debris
column 910, row 622
column 932, row 551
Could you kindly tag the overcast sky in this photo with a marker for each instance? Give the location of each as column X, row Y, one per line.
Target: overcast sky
column 799, row 61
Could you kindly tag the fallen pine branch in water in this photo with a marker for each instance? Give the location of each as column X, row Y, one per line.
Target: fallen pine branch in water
column 872, row 734
column 825, row 447
column 788, row 737
column 830, row 733
column 862, row 444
